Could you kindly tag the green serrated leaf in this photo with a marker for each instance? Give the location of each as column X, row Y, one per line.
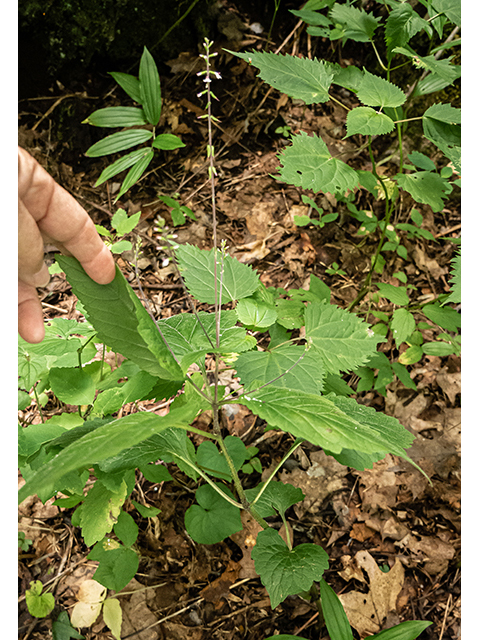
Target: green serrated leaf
column 117, row 117
column 402, row 325
column 403, row 375
column 213, row 519
column 213, row 462
column 341, row 338
column 368, row 122
column 397, row 295
column 444, row 317
column 455, row 295
column 307, row 373
column 116, row 567
column 378, row 92
column 130, row 84
column 277, row 497
column 39, row 604
column 167, row 142
column 197, row 266
column 151, row 97
column 403, row 22
column 425, row 187
column 443, row 68
column 359, row 25
column 99, row 511
column 106, row 441
column 155, row 473
column 307, row 163
column 72, row 386
column 451, row 8
column 286, row 572
column 112, row 616
column 118, row 142
column 334, row 614
column 299, row 78
column 255, row 314
column 121, row 321
column 325, row 421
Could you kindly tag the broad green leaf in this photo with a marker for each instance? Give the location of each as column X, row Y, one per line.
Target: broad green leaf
column 112, row 616
column 187, row 335
column 443, row 68
column 130, row 84
column 104, row 442
column 334, row 614
column 412, row 355
column 403, row 22
column 387, row 432
column 123, row 223
column 441, row 125
column 116, row 566
column 323, row 421
column 137, row 387
column 278, row 496
column 213, row 462
column 120, row 247
column 433, row 82
column 421, row 161
column 167, row 142
column 98, row 513
column 117, row 117
column 451, row 8
column 319, row 289
column 121, row 164
column 39, row 604
column 440, row 349
column 118, row 142
column 378, row 92
column 255, row 314
column 285, row 572
column 213, row 519
column 135, row 173
column 402, row 374
column 368, row 122
column 172, row 445
column 306, row 375
column 72, row 386
column 24, row 400
column 155, row 473
column 425, row 187
column 444, row 317
column 121, row 321
column 397, row 295
column 402, row 325
column 359, row 25
column 151, row 97
column 63, row 630
column 299, row 78
column 290, row 313
column 307, row 163
column 356, row 459
column 408, row 630
column 126, row 529
column 341, row 338
column 146, row 512
column 348, row 77
column 197, row 266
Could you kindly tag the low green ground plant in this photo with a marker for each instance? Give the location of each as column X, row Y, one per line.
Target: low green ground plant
column 287, row 350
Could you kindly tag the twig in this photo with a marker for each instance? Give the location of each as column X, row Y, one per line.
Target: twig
column 445, row 616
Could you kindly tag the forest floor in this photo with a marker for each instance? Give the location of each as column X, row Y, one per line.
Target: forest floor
column 390, row 535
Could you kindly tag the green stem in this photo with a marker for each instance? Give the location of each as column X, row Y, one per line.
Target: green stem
column 295, row 446
column 378, row 57
column 338, row 102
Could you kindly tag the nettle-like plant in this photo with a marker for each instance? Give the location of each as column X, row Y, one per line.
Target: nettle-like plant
column 290, row 378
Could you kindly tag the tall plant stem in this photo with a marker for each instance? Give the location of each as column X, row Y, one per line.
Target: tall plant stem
column 388, row 212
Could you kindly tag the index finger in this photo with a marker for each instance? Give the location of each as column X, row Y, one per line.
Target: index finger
column 62, row 221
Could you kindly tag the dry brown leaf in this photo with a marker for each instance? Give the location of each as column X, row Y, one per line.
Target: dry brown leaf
column 90, row 599
column 246, row 539
column 450, row 383
column 136, row 614
column 220, row 587
column 366, row 611
column 379, row 486
column 430, row 550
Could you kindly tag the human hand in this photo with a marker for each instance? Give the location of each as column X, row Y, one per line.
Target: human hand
column 48, row 213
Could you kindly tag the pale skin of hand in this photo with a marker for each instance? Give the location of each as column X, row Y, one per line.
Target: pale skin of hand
column 49, row 214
